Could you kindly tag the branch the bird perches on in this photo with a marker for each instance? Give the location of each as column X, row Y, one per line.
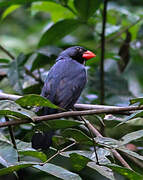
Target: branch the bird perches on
column 85, row 109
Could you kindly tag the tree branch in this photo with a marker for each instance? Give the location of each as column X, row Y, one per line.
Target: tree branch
column 78, row 113
column 38, row 119
column 5, row 96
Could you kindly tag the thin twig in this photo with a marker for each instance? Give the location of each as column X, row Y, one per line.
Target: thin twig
column 92, row 137
column 7, row 52
column 103, row 52
column 58, row 152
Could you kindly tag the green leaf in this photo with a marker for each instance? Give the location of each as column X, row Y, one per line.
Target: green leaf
column 16, row 71
column 107, row 142
column 63, row 124
column 46, row 55
column 57, row 31
column 136, row 100
column 131, row 137
column 101, row 153
column 78, row 161
column 132, row 175
column 56, row 11
column 58, row 172
column 36, row 88
column 21, row 145
column 103, row 170
column 6, row 61
column 33, row 153
column 57, row 124
column 10, row 108
column 35, row 100
column 86, row 8
column 87, row 154
column 78, row 135
column 10, row 10
column 16, row 167
column 131, row 153
column 8, row 155
column 13, row 2
column 132, row 116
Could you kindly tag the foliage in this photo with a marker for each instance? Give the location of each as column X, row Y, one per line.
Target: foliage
column 35, row 32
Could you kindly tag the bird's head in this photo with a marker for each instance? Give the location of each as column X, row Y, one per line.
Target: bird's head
column 77, row 53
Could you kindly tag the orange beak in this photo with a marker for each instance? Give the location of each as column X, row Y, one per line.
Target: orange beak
column 88, row 55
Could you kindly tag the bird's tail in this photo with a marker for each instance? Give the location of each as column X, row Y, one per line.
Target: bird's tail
column 43, row 140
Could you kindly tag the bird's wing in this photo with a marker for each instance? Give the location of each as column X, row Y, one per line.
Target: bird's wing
column 69, row 90
column 65, row 83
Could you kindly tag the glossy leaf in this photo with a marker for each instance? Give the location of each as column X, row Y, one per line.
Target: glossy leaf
column 10, row 10
column 13, row 2
column 16, row 71
column 10, row 108
column 103, row 170
column 131, row 153
column 63, row 124
column 58, row 171
column 57, row 124
column 101, row 153
column 86, row 8
column 131, row 137
column 57, row 31
column 16, row 167
column 132, row 175
column 6, row 61
column 78, row 161
column 107, row 142
column 8, row 155
column 45, row 55
column 56, row 11
column 136, row 100
column 132, row 116
column 35, row 100
column 33, row 153
column 78, row 135
column 36, row 88
column 87, row 154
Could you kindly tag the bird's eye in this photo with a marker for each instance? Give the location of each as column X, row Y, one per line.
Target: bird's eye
column 79, row 49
